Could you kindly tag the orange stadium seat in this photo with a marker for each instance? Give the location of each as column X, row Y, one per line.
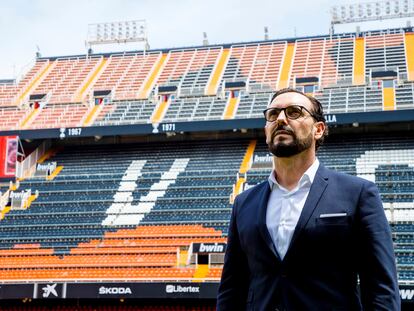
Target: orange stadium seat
column 257, row 63
column 328, row 59
column 144, row 246
column 66, row 78
column 184, row 67
column 12, row 95
column 60, row 115
column 125, row 74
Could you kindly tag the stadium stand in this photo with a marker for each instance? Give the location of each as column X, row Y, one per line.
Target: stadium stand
column 125, row 74
column 59, row 115
column 87, row 205
column 71, row 224
column 385, row 52
column 349, row 73
column 7, row 92
column 189, row 69
column 328, row 59
column 12, row 95
column 66, row 77
column 11, row 117
column 257, row 64
column 130, row 211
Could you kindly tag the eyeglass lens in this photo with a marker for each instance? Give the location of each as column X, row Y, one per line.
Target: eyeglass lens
column 292, row 112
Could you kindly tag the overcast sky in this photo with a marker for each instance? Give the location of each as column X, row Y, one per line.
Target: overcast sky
column 59, row 27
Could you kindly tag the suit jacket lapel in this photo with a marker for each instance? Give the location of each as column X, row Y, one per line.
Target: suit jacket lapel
column 263, row 199
column 317, row 189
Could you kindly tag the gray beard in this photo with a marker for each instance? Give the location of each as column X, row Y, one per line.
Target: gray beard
column 283, row 150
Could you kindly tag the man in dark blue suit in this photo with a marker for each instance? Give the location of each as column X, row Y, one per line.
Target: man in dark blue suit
column 305, row 238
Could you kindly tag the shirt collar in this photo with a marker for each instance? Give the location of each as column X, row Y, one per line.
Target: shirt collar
column 309, row 175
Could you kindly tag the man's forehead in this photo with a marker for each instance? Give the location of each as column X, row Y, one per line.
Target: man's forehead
column 291, row 98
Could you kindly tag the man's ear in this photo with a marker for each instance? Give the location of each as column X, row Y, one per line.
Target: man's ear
column 319, row 129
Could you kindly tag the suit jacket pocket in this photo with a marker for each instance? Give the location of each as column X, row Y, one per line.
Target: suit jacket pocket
column 333, row 221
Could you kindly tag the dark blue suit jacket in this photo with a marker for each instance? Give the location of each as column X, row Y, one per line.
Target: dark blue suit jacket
column 325, row 258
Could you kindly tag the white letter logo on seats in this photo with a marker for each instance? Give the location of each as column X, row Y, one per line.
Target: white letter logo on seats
column 407, row 294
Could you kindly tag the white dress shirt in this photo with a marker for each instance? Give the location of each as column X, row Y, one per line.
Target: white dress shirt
column 284, row 208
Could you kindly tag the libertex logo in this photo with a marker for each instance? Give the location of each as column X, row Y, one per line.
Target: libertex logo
column 170, row 289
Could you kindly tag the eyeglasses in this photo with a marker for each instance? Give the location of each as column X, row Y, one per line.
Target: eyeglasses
column 292, row 112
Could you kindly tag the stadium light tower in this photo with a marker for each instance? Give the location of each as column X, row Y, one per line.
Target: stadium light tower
column 266, row 33
column 117, row 32
column 371, row 11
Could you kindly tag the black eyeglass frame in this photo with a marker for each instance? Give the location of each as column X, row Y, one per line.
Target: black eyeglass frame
column 290, row 118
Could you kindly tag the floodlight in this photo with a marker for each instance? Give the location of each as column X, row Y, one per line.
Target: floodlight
column 405, row 6
column 369, row 11
column 334, row 13
column 351, row 11
column 343, row 11
column 360, row 10
column 117, row 32
column 387, row 7
column 377, row 8
column 396, row 7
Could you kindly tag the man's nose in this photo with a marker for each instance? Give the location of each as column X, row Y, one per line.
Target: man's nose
column 281, row 118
